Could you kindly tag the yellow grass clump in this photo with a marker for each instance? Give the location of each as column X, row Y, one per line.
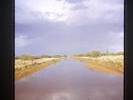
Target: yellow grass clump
column 106, row 64
column 27, row 65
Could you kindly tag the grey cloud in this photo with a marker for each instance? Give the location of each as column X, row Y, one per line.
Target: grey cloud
column 79, row 6
column 50, row 37
column 59, row 38
column 73, row 1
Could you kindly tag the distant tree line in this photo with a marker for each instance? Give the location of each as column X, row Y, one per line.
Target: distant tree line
column 30, row 57
column 97, row 53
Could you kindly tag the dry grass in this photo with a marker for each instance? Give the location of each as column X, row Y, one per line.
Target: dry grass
column 106, row 64
column 27, row 67
column 22, row 64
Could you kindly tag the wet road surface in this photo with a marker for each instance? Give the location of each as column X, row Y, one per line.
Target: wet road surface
column 69, row 80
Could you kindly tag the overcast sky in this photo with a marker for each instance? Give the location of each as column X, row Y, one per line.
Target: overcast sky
column 68, row 26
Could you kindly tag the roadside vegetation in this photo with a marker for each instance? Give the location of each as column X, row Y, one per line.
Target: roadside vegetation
column 97, row 53
column 107, row 62
column 27, row 64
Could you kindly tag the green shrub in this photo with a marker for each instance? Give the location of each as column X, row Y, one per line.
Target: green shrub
column 95, row 53
column 26, row 57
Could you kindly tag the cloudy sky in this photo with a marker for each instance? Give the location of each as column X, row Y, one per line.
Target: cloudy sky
column 68, row 26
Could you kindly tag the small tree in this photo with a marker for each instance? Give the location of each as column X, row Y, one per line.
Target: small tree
column 107, row 52
column 95, row 53
column 17, row 57
column 26, row 57
column 120, row 53
column 65, row 55
column 44, row 56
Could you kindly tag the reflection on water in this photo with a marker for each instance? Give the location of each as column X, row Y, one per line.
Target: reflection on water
column 69, row 80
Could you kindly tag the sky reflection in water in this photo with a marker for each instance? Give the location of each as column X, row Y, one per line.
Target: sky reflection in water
column 69, row 80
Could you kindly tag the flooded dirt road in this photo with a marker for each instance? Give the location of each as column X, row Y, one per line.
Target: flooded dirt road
column 69, row 80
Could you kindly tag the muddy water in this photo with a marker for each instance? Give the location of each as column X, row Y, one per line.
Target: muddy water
column 69, row 80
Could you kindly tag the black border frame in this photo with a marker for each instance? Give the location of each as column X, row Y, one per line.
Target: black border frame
column 7, row 30
column 7, row 37
column 128, row 49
